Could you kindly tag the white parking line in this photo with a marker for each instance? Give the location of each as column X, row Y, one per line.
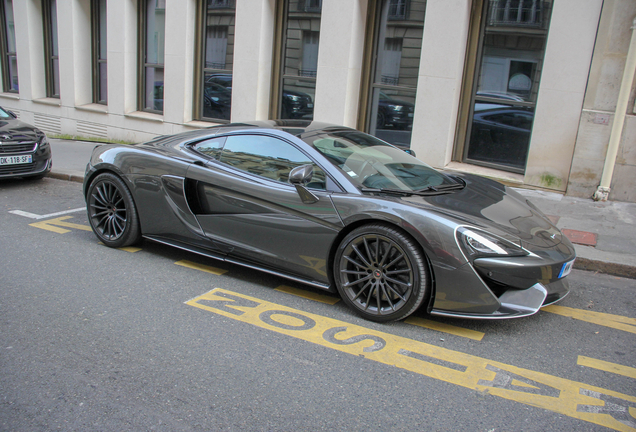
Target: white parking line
column 36, row 216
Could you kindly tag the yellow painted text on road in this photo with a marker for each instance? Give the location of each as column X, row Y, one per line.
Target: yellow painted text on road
column 607, row 366
column 201, row 267
column 308, row 295
column 56, row 225
column 617, row 322
column 446, row 328
column 578, row 400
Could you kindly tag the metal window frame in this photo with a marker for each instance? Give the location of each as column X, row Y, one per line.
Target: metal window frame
column 142, row 24
column 95, row 47
column 5, row 53
column 49, row 58
column 199, row 60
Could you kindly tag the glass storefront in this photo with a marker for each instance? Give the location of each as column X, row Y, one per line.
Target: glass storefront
column 510, row 59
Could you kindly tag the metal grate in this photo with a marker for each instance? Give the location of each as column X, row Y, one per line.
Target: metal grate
column 92, row 129
column 48, row 124
column 21, row 147
column 17, row 169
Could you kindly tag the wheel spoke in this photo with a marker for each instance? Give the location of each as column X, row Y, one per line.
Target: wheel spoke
column 366, row 263
column 363, row 289
column 392, row 263
column 388, row 297
column 395, row 281
column 395, row 292
column 367, row 277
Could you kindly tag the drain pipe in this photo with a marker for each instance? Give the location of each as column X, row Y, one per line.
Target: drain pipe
column 603, row 190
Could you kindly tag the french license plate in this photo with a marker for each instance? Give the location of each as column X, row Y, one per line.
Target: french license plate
column 566, row 269
column 15, row 160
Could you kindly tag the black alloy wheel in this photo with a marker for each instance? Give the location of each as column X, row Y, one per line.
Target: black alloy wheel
column 111, row 211
column 381, row 273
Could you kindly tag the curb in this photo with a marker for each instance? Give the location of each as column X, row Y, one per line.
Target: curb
column 610, row 268
column 68, row 177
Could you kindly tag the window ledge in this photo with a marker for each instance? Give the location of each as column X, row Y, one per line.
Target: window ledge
column 93, row 107
column 142, row 115
column 7, row 95
column 198, row 124
column 48, row 101
column 505, row 177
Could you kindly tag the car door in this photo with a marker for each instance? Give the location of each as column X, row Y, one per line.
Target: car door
column 246, row 202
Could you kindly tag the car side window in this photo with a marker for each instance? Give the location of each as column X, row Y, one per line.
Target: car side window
column 210, row 147
column 268, row 157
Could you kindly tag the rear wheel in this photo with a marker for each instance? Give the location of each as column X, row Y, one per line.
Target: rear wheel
column 111, row 211
column 381, row 273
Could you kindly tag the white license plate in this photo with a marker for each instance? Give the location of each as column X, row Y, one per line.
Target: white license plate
column 15, row 160
column 566, row 269
column 310, row 105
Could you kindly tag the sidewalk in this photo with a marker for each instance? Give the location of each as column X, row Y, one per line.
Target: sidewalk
column 603, row 233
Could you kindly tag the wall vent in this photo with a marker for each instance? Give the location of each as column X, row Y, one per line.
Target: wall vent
column 92, row 129
column 48, row 124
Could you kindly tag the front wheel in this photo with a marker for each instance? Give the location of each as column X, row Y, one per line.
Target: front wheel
column 111, row 211
column 381, row 273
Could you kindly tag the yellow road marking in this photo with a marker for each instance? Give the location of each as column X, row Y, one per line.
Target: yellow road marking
column 308, row 294
column 55, row 224
column 201, row 267
column 130, row 249
column 446, row 328
column 578, row 400
column 607, row 366
column 608, row 320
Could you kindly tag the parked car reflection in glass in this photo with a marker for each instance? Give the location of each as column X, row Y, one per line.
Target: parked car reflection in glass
column 394, row 113
column 500, row 134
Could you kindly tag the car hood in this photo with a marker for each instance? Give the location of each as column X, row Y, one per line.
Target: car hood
column 15, row 130
column 497, row 208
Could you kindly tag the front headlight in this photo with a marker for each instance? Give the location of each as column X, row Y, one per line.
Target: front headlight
column 396, row 108
column 478, row 243
column 44, row 142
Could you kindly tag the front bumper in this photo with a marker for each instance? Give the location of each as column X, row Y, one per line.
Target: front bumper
column 519, row 303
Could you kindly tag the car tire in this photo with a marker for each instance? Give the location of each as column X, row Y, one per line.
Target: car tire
column 112, row 212
column 381, row 273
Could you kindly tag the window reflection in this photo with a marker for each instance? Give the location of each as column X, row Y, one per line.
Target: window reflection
column 155, row 35
column 397, row 51
column 300, row 60
column 10, row 60
column 507, row 83
column 218, row 58
column 268, row 157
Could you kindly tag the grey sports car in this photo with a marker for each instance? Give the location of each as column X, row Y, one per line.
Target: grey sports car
column 337, row 209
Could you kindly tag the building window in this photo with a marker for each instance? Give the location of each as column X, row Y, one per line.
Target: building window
column 100, row 80
column 300, row 37
column 213, row 84
column 506, row 83
column 51, row 53
column 152, row 15
column 393, row 61
column 7, row 42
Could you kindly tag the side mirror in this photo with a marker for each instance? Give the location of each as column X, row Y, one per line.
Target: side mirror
column 409, row 151
column 299, row 177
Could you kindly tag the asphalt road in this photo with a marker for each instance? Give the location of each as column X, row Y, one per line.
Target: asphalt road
column 93, row 338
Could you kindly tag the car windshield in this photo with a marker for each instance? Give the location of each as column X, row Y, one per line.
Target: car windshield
column 4, row 114
column 372, row 163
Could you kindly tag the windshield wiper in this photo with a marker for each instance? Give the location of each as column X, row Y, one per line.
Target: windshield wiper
column 430, row 190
